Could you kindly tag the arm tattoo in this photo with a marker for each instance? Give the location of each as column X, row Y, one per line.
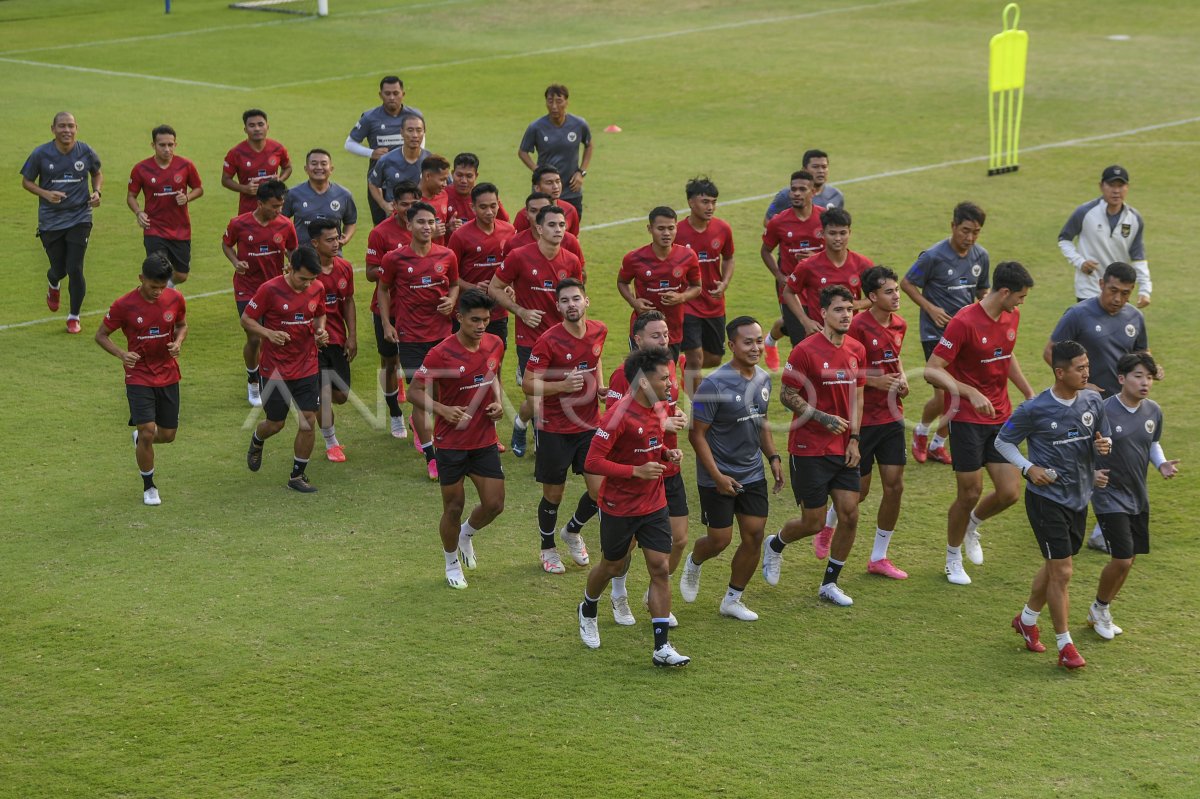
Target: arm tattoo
column 792, row 400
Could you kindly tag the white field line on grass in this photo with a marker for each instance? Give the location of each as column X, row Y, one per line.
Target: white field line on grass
column 116, row 74
column 1083, row 140
column 570, row 48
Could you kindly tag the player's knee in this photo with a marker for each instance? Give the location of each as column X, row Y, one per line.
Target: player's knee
column 849, row 516
column 553, row 493
column 721, row 538
column 1122, row 565
column 1061, row 570
column 164, row 435
column 679, row 537
column 893, row 487
column 492, row 506
column 970, row 494
column 339, row 397
column 1008, row 495
column 179, row 278
column 453, row 507
column 659, row 568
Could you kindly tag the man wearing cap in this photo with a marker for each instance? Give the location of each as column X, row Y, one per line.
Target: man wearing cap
column 1107, row 230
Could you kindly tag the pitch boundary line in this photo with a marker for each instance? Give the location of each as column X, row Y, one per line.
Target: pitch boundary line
column 757, row 197
column 116, row 74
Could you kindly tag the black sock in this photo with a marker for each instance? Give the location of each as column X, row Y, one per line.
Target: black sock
column 147, row 480
column 547, row 520
column 255, row 441
column 661, row 628
column 252, row 375
column 589, row 606
column 776, row 543
column 393, row 403
column 427, row 451
column 298, row 467
column 832, row 570
column 738, row 588
column 1101, row 602
column 584, row 512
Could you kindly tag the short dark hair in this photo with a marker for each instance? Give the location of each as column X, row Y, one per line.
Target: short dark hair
column 643, row 319
column 467, row 159
column 663, row 211
column 484, row 188
column 390, row 79
column 557, row 89
column 319, row 226
column 810, row 155
column 157, row 266
column 700, row 186
column 473, row 299
column 541, row 172
column 969, row 212
column 569, row 283
column 305, row 257
column 644, row 361
column 419, row 206
column 250, row 113
column 537, row 195
column 801, row 174
column 434, row 163
column 161, row 130
column 273, row 189
column 1132, row 360
column 874, row 278
column 835, row 217
column 405, row 117
column 547, row 210
column 830, row 293
column 1063, row 352
column 1011, row 275
column 1121, row 272
column 731, row 329
column 317, row 151
column 406, row 187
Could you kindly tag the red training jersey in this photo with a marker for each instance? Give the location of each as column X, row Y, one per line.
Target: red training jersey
column 390, row 234
column 629, row 435
column 338, row 288
column 418, row 284
column 618, row 387
column 882, row 344
column 827, row 378
column 653, row 276
column 815, row 273
column 264, row 247
column 712, row 246
column 460, row 207
column 162, row 186
column 278, row 306
column 979, row 351
column 533, row 277
column 569, row 212
column 247, row 165
column 570, row 243
column 455, row 375
column 148, row 327
column 793, row 236
column 480, row 254
column 559, row 353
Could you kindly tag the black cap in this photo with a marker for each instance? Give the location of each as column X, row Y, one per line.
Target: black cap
column 1114, row 173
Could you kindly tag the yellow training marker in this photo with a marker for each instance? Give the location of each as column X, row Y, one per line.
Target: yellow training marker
column 1006, row 92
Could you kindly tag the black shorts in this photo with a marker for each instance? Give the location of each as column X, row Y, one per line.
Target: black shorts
column 158, row 404
column 706, row 333
column 385, row 348
column 718, row 510
column 241, row 306
column 497, row 327
column 674, row 349
column 929, row 347
column 652, row 531
column 523, row 354
column 278, row 396
column 677, row 504
column 412, row 355
column 179, row 253
column 555, row 453
column 791, row 324
column 1127, row 534
column 815, row 477
column 455, row 464
column 335, row 369
column 1058, row 529
column 884, row 443
column 973, row 445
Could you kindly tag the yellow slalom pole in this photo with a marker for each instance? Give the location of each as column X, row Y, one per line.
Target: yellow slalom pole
column 1008, row 51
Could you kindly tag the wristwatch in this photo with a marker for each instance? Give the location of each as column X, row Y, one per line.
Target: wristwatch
column 582, row 172
column 855, row 437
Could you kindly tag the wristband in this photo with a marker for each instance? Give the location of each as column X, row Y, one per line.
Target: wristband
column 855, row 437
column 773, row 458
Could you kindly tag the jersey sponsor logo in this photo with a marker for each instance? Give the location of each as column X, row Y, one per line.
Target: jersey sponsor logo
column 1087, row 419
column 997, row 353
column 264, row 248
column 653, row 441
column 477, row 379
column 664, row 284
column 888, row 355
column 154, row 331
column 1130, row 331
column 601, row 433
column 426, row 280
column 534, row 359
column 331, row 300
column 548, row 285
column 944, row 342
column 298, row 316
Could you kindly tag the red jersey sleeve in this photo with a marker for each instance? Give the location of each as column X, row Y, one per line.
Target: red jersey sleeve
column 452, row 270
column 628, row 269
column 115, row 318
column 229, row 238
column 509, row 270
column 376, row 247
column 770, row 236
column 284, row 159
column 953, row 337
column 256, row 309
column 727, row 250
column 691, row 274
column 602, row 443
column 193, row 176
column 135, row 180
column 229, row 167
column 290, row 242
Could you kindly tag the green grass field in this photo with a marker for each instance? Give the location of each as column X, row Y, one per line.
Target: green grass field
column 245, row 641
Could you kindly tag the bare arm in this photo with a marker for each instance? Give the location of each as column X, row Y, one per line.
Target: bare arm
column 793, row 303
column 350, row 314
column 768, row 257
column 625, row 289
column 46, row 194
column 103, row 338
column 240, row 188
column 1018, row 377
column 376, row 194
column 937, row 376
column 348, row 233
column 725, row 484
column 936, row 313
column 527, row 159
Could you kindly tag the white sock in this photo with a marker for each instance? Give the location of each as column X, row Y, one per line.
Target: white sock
column 330, row 437
column 1029, row 617
column 618, row 587
column 973, row 522
column 831, row 517
column 74, row 316
column 466, row 530
column 54, row 286
column 937, row 442
column 519, row 423
column 953, row 553
column 451, row 559
column 1062, row 639
column 733, row 595
column 882, row 539
column 771, row 340
column 920, row 430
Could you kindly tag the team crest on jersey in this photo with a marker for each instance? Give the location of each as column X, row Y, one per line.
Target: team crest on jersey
column 272, row 161
column 79, row 165
column 1150, row 426
column 853, row 281
column 335, row 205
column 342, row 283
column 716, row 244
column 765, row 393
column 1130, row 331
column 278, row 239
column 976, row 270
column 562, row 275
column 440, row 268
column 1087, row 418
column 854, row 363
column 312, row 306
column 572, row 137
column 1012, row 335
column 1126, row 228
column 168, row 317
column 677, row 272
column 179, row 177
column 596, row 349
column 491, row 363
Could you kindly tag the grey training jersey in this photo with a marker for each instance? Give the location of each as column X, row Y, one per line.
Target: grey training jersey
column 558, row 147
column 394, row 169
column 380, row 128
column 949, row 280
column 1060, row 438
column 68, row 173
column 1105, row 336
column 735, row 410
column 828, row 197
column 1134, row 431
column 304, row 205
